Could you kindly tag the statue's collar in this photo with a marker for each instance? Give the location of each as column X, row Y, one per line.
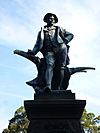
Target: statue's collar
column 49, row 28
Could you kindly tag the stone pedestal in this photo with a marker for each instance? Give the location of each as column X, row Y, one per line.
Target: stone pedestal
column 55, row 112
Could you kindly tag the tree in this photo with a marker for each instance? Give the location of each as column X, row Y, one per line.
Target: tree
column 90, row 122
column 19, row 123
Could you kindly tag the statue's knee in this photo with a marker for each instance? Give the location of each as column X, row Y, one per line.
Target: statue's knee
column 50, row 65
column 61, row 67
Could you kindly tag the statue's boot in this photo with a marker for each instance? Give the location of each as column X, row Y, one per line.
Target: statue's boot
column 47, row 89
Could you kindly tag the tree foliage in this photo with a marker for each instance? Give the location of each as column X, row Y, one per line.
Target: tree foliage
column 90, row 122
column 19, row 123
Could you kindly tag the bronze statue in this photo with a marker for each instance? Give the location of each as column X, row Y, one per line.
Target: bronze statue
column 53, row 41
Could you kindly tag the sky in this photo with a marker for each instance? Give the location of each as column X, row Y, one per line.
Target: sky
column 20, row 21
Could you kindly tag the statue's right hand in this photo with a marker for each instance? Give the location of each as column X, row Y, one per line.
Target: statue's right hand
column 29, row 51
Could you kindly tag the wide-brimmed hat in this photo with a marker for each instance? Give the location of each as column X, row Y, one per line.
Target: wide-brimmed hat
column 50, row 14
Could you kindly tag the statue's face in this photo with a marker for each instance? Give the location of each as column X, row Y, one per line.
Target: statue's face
column 50, row 20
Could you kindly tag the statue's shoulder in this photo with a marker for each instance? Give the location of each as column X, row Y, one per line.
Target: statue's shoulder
column 40, row 31
column 61, row 29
